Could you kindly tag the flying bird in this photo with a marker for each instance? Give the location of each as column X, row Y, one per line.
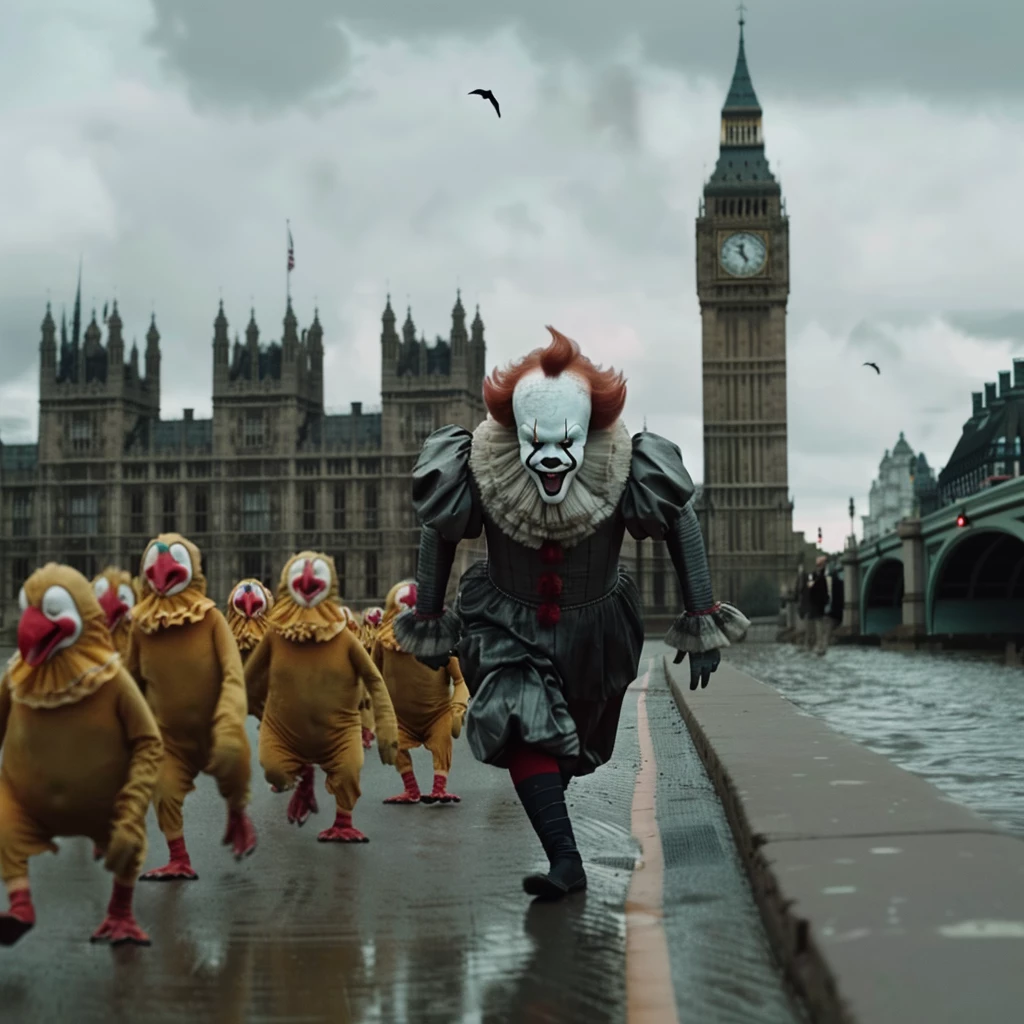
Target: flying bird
column 487, row 95
column 874, row 366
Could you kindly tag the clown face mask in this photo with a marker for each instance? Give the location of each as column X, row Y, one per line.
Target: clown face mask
column 552, row 419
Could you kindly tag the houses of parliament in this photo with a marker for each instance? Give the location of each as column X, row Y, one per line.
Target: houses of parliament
column 272, row 473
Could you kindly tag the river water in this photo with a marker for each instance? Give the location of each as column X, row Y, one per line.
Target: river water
column 955, row 719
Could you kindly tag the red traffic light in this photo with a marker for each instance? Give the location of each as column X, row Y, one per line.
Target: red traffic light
column 961, row 520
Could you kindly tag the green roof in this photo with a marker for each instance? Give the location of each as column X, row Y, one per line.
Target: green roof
column 741, row 91
column 743, row 170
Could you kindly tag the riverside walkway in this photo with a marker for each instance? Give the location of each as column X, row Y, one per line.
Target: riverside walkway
column 427, row 922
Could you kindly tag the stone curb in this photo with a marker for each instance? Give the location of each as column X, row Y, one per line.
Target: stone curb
column 805, row 967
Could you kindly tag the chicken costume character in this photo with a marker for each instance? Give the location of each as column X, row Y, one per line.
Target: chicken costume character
column 304, row 684
column 549, row 628
column 367, row 630
column 81, row 749
column 429, row 704
column 187, row 663
column 248, row 605
column 118, row 594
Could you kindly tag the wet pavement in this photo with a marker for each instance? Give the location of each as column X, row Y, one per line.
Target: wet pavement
column 425, row 923
column 954, row 718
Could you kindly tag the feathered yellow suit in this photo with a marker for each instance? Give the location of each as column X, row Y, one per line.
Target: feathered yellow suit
column 185, row 659
column 118, row 593
column 429, row 704
column 304, row 683
column 81, row 748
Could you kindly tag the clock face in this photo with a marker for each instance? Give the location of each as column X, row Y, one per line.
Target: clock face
column 743, row 254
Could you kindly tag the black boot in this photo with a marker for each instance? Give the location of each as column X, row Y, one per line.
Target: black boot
column 543, row 798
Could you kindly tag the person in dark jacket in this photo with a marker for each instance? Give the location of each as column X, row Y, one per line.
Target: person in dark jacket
column 817, row 601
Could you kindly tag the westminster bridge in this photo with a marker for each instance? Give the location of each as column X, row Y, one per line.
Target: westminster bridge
column 956, row 572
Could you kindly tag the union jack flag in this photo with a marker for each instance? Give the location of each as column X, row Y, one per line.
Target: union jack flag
column 291, row 251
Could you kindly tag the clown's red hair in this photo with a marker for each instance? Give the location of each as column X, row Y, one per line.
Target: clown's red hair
column 607, row 387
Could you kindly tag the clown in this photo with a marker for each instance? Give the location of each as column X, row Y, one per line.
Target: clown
column 365, row 700
column 304, row 684
column 117, row 593
column 429, row 704
column 81, row 749
column 555, row 480
column 187, row 663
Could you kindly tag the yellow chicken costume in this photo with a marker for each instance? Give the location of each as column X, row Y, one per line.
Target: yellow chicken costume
column 116, row 591
column 186, row 661
column 367, row 633
column 81, row 749
column 304, row 683
column 429, row 703
column 248, row 605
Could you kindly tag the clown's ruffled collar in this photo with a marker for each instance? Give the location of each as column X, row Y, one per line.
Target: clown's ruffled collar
column 385, row 635
column 70, row 675
column 322, row 622
column 510, row 496
column 155, row 612
column 247, row 632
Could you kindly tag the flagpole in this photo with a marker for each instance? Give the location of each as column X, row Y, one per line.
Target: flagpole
column 288, row 268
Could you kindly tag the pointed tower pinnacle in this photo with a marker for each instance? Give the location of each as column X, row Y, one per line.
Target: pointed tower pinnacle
column 742, row 168
column 741, row 91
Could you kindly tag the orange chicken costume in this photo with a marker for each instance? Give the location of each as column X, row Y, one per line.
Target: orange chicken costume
column 81, row 749
column 118, row 594
column 187, row 663
column 248, row 605
column 304, row 683
column 368, row 633
column 365, row 700
column 429, row 703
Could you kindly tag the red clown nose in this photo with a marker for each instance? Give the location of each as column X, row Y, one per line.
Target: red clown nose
column 113, row 607
column 409, row 597
column 165, row 572
column 307, row 584
column 38, row 635
column 249, row 601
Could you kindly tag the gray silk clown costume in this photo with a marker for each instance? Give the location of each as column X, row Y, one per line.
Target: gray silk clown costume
column 556, row 685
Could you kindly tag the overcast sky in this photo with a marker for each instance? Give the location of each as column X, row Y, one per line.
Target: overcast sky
column 168, row 141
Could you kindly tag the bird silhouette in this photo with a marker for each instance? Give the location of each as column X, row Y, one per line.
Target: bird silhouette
column 487, row 95
column 874, row 366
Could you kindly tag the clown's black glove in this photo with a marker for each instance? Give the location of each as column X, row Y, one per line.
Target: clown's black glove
column 702, row 664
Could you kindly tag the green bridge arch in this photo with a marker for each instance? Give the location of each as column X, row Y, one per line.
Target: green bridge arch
column 973, row 575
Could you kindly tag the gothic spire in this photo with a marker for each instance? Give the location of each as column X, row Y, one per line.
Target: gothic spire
column 76, row 317
column 741, row 92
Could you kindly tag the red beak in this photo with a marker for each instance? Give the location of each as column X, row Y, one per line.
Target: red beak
column 409, row 599
column 307, row 584
column 250, row 602
column 113, row 607
column 38, row 635
column 165, row 573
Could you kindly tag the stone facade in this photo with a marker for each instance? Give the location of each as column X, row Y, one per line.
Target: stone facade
column 746, row 511
column 905, row 487
column 270, row 474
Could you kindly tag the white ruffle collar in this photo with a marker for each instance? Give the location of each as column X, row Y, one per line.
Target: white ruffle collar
column 510, row 496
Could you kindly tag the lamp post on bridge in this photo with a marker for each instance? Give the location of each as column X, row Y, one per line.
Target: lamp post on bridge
column 853, row 529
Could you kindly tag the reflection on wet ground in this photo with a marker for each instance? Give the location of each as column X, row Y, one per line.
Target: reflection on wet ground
column 954, row 718
column 425, row 923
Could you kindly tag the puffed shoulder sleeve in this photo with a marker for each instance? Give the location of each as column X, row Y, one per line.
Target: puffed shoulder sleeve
column 658, row 487
column 442, row 488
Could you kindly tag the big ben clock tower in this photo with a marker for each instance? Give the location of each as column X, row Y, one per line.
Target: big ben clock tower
column 743, row 286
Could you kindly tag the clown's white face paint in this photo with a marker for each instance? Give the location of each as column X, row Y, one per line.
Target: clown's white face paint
column 552, row 419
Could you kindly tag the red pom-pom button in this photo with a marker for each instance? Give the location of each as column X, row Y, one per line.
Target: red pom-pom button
column 549, row 584
column 551, row 552
column 549, row 614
